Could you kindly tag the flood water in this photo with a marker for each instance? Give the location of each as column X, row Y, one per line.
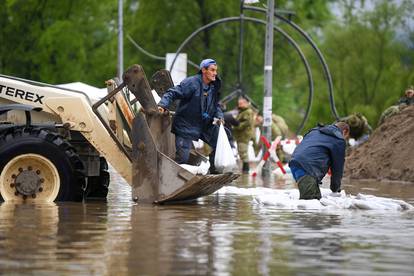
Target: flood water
column 217, row 235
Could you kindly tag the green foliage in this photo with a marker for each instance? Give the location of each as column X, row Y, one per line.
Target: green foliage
column 58, row 48
column 369, row 49
column 366, row 60
column 58, row 41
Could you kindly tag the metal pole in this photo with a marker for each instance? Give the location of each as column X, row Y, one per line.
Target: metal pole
column 268, row 72
column 318, row 53
column 120, row 40
column 240, row 67
column 279, row 30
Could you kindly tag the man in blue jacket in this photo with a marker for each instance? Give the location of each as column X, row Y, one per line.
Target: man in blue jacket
column 321, row 148
column 199, row 96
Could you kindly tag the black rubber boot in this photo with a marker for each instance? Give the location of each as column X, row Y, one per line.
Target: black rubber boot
column 245, row 168
column 212, row 169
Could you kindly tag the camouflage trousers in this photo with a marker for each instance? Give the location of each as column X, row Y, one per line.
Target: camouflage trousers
column 309, row 188
column 242, row 149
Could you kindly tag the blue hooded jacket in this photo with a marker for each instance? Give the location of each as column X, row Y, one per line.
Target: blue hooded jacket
column 194, row 113
column 321, row 148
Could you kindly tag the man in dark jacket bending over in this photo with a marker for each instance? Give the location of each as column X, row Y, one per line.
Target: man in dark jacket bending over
column 321, row 148
column 193, row 120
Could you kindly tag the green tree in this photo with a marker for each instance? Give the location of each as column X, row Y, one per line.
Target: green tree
column 58, row 41
column 366, row 59
column 368, row 49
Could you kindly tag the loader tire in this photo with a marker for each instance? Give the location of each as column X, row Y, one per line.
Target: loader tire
column 97, row 187
column 39, row 165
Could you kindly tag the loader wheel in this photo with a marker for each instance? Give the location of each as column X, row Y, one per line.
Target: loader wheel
column 98, row 185
column 39, row 165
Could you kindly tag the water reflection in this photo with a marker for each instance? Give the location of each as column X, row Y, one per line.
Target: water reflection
column 217, row 235
column 42, row 237
column 27, row 234
column 392, row 189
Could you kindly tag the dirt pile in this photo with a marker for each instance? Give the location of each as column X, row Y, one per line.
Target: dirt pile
column 388, row 154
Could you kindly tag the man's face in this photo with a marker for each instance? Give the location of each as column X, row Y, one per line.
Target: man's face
column 259, row 120
column 210, row 73
column 242, row 103
column 409, row 93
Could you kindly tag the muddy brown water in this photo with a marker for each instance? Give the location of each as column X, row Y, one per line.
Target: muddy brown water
column 217, row 235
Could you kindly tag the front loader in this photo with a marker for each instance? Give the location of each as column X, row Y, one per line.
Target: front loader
column 55, row 143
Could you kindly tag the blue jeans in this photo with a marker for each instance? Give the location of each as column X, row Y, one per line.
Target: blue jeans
column 182, row 149
column 209, row 136
column 297, row 173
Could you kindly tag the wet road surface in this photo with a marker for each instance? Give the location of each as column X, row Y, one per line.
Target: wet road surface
column 217, row 235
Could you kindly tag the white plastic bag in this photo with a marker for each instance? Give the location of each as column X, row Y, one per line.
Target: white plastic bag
column 224, row 160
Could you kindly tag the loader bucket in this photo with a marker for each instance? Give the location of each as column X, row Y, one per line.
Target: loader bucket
column 157, row 178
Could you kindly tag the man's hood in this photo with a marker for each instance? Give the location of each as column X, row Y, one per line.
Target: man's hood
column 332, row 130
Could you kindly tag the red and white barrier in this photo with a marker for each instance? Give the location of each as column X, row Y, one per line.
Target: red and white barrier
column 271, row 152
column 288, row 146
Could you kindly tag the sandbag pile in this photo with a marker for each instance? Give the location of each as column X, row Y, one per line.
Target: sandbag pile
column 388, row 154
column 289, row 199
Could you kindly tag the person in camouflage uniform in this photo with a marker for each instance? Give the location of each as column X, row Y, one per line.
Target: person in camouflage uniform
column 279, row 128
column 359, row 129
column 406, row 100
column 244, row 132
column 390, row 111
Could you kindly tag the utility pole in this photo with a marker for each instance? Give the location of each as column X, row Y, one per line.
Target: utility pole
column 240, row 69
column 268, row 72
column 120, row 40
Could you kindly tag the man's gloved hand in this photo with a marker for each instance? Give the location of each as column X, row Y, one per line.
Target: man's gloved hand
column 162, row 110
column 220, row 121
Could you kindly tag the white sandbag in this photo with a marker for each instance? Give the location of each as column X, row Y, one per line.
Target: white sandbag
column 257, row 134
column 336, row 202
column 251, row 155
column 312, row 204
column 281, row 175
column 201, row 169
column 198, row 144
column 371, row 202
column 289, row 148
column 224, row 160
column 289, row 199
